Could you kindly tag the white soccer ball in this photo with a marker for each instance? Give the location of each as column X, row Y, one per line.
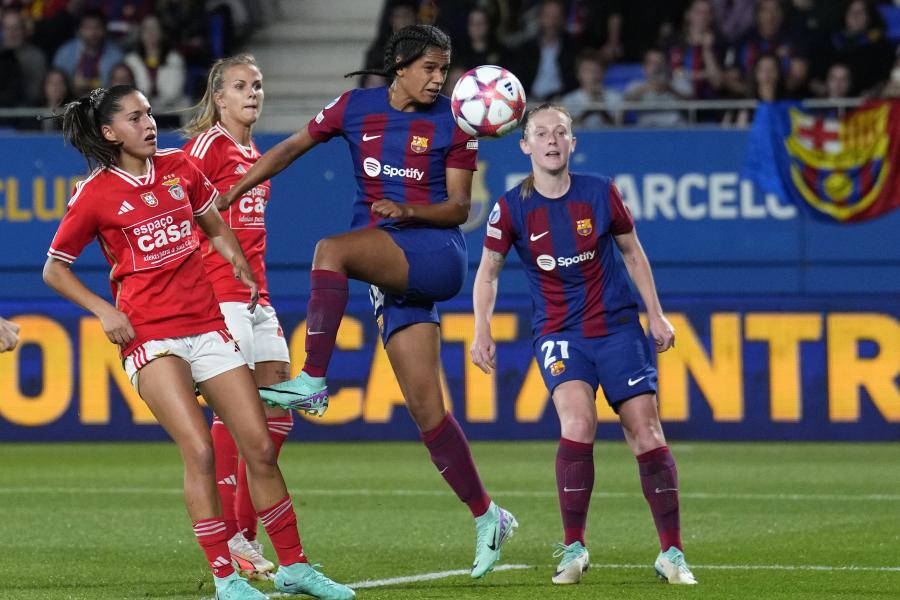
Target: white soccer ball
column 488, row 101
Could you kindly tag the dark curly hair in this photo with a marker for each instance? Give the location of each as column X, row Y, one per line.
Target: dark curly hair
column 408, row 44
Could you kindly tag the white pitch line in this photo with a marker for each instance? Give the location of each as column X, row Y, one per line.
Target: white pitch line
column 374, row 583
column 499, row 493
column 698, row 568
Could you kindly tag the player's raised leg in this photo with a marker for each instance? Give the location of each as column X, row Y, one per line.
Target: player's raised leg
column 659, row 481
column 574, row 401
column 367, row 255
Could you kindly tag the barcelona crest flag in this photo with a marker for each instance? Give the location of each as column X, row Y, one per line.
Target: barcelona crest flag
column 842, row 169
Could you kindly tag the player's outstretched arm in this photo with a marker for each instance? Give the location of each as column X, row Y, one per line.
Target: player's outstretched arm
column 59, row 277
column 225, row 242
column 639, row 269
column 273, row 162
column 451, row 213
column 484, row 298
column 9, row 335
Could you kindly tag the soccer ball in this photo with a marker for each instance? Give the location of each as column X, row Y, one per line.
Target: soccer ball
column 488, row 101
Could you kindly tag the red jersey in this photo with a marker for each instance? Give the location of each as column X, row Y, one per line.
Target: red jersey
column 146, row 229
column 224, row 161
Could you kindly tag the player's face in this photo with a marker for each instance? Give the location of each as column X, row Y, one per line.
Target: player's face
column 423, row 79
column 241, row 98
column 133, row 126
column 548, row 140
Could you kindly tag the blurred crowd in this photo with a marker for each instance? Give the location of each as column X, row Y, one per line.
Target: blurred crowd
column 584, row 53
column 52, row 51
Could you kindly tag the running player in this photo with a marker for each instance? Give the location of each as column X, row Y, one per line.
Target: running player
column 143, row 205
column 586, row 330
column 414, row 178
column 223, row 149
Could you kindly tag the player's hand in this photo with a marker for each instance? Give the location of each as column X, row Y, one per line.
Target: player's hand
column 662, row 332
column 484, row 353
column 223, row 201
column 117, row 327
column 243, row 274
column 389, row 209
column 9, row 335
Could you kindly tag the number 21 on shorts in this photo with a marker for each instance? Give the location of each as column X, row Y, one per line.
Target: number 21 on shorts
column 554, row 364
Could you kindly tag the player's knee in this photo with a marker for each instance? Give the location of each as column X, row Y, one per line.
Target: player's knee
column 328, row 255
column 426, row 412
column 200, row 457
column 260, row 454
column 579, row 427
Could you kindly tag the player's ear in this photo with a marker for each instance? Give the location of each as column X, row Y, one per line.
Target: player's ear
column 108, row 134
column 572, row 145
column 523, row 145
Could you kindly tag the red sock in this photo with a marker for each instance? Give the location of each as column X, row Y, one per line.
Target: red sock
column 659, row 480
column 574, row 484
column 327, row 301
column 281, row 525
column 226, row 472
column 279, row 428
column 451, row 455
column 214, row 540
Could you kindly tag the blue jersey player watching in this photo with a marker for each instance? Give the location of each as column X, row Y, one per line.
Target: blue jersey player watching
column 413, row 168
column 586, row 330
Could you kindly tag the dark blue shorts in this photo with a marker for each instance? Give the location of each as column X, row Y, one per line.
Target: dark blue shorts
column 438, row 261
column 621, row 362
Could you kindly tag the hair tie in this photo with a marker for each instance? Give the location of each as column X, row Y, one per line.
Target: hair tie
column 96, row 97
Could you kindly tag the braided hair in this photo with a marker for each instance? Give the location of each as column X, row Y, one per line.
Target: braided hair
column 407, row 45
column 82, row 120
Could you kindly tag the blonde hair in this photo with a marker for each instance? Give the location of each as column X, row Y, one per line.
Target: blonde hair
column 207, row 113
column 528, row 183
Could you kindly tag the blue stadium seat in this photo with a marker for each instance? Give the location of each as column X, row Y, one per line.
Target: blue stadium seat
column 891, row 15
column 618, row 76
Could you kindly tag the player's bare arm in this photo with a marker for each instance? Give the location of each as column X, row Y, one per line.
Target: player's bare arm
column 484, row 298
column 639, row 270
column 59, row 277
column 9, row 335
column 451, row 213
column 224, row 241
column 273, row 162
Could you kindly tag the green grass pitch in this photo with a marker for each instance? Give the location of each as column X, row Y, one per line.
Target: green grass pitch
column 760, row 520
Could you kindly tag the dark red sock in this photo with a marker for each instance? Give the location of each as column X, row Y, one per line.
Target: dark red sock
column 327, row 301
column 279, row 428
column 226, row 472
column 659, row 480
column 451, row 455
column 281, row 525
column 574, row 484
column 214, row 540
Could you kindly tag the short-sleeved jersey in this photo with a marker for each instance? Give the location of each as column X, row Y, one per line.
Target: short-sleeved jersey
column 224, row 161
column 146, row 229
column 566, row 248
column 400, row 156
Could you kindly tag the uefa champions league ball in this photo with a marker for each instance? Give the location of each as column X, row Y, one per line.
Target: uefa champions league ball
column 488, row 101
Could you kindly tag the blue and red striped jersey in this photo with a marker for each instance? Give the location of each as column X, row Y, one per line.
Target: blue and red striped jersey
column 399, row 156
column 566, row 247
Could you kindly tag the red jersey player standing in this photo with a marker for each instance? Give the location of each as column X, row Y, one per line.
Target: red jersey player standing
column 223, row 149
column 413, row 167
column 586, row 330
column 143, row 205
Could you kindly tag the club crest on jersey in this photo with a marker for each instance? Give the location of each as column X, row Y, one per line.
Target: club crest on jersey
column 557, row 368
column 419, row 144
column 175, row 189
column 584, row 227
column 149, row 199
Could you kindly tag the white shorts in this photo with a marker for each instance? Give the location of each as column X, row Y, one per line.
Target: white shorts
column 258, row 334
column 208, row 354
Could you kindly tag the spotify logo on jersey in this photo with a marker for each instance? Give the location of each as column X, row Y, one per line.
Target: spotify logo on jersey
column 372, row 167
column 546, row 262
